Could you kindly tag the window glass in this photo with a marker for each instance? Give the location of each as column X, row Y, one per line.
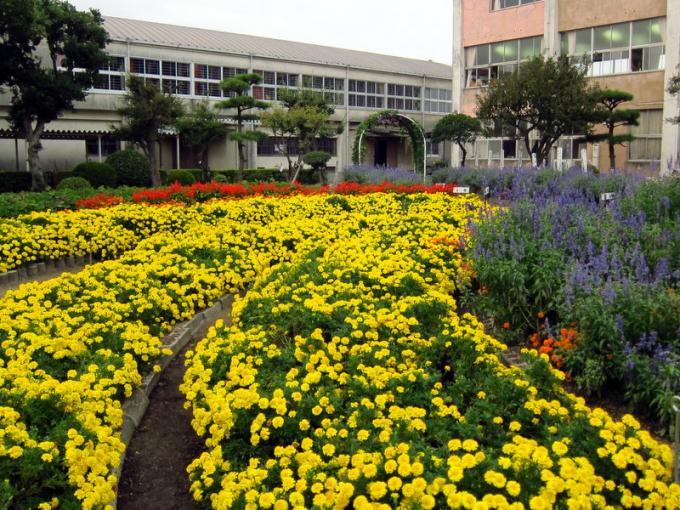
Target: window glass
column 583, row 41
column 620, row 35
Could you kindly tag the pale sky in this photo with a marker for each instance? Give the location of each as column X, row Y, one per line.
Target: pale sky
column 418, row 29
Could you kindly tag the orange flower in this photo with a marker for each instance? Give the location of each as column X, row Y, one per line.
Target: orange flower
column 506, row 325
column 541, row 315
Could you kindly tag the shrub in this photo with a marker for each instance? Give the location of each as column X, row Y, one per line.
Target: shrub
column 184, row 177
column 97, row 174
column 220, row 178
column 11, row 182
column 74, row 183
column 132, row 168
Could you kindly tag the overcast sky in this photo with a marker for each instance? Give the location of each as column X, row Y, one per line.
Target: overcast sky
column 418, row 29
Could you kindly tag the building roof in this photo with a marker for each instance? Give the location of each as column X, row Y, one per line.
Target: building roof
column 122, row 29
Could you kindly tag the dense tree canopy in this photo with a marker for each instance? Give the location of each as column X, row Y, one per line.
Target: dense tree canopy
column 50, row 54
column 544, row 99
column 238, row 88
column 459, row 129
column 145, row 111
column 608, row 113
column 198, row 129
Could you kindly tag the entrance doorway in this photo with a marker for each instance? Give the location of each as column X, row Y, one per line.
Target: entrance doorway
column 380, row 158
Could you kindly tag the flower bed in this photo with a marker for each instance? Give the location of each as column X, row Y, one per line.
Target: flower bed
column 561, row 260
column 349, row 380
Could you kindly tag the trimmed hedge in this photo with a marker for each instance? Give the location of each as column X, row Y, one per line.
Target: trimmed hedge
column 184, row 177
column 249, row 175
column 74, row 183
column 13, row 182
column 132, row 168
column 97, row 174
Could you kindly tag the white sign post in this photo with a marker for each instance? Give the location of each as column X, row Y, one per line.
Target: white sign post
column 596, row 155
column 502, row 159
column 584, row 160
column 534, row 160
column 490, row 159
column 560, row 161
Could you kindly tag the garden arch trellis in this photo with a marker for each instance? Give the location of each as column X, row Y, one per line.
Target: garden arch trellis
column 406, row 124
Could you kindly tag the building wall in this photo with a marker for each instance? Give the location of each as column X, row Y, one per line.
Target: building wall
column 481, row 26
column 575, row 14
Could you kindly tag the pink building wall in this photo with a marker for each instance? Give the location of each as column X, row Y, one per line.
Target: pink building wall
column 481, row 26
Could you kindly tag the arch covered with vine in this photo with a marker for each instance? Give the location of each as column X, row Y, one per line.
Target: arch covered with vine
column 391, row 118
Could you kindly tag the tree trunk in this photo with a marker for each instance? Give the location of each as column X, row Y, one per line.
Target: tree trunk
column 204, row 165
column 153, row 160
column 33, row 153
column 463, row 153
column 612, row 152
column 242, row 157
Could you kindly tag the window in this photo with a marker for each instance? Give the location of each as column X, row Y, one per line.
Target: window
column 647, row 143
column 497, row 5
column 272, row 82
column 366, row 94
column 275, row 145
column 109, row 146
column 437, row 100
column 111, row 75
column 432, row 148
column 622, row 48
column 207, row 80
column 230, row 72
column 333, row 88
column 490, row 61
column 403, row 97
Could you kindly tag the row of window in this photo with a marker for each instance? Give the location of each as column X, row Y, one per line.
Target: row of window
column 611, row 49
column 645, row 148
column 497, row 5
column 490, row 61
column 621, row 48
column 175, row 77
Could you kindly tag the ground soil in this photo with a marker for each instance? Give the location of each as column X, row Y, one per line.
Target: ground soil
column 154, row 474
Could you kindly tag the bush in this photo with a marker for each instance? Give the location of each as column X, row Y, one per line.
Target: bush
column 184, row 177
column 12, row 182
column 74, row 183
column 219, row 178
column 97, row 174
column 132, row 168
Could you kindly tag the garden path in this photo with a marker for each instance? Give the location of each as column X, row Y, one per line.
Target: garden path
column 154, row 474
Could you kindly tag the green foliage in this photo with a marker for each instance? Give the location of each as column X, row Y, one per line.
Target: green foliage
column 458, row 128
column 239, row 100
column 199, row 128
column 14, row 204
column 317, row 159
column 674, row 90
column 550, row 97
column 74, row 183
column 306, row 118
column 145, row 111
column 391, row 118
column 216, row 177
column 184, row 177
column 12, row 182
column 97, row 174
column 41, row 89
column 608, row 113
column 132, row 168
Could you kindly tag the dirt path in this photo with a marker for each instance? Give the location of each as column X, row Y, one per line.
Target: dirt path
column 154, row 474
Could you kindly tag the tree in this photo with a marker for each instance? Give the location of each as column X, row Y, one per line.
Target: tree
column 305, row 118
column 458, row 128
column 70, row 41
column 549, row 97
column 199, row 128
column 608, row 113
column 674, row 90
column 238, row 87
column 145, row 111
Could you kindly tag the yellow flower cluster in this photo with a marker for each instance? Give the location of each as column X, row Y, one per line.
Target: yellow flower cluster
column 350, row 380
column 72, row 349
